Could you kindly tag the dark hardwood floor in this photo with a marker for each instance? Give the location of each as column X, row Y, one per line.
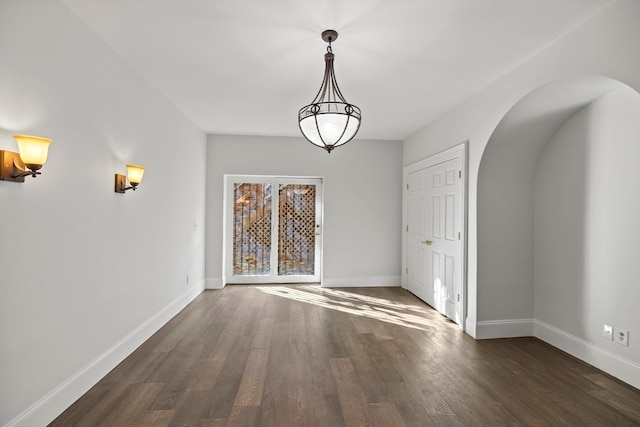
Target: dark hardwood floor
column 307, row 356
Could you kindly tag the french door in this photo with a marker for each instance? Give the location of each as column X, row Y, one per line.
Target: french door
column 273, row 229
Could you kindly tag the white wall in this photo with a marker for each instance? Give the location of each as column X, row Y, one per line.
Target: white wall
column 608, row 45
column 587, row 225
column 87, row 274
column 362, row 201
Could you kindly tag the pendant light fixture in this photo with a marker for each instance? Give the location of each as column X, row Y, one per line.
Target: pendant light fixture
column 329, row 121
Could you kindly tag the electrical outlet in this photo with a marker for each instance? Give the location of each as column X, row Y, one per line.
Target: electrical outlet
column 608, row 332
column 622, row 337
column 366, row 267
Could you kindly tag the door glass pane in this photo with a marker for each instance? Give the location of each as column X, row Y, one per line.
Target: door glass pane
column 296, row 229
column 251, row 229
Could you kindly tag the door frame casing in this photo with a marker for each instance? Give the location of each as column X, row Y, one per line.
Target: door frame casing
column 457, row 151
column 227, row 238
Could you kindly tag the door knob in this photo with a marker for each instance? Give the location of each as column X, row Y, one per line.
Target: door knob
column 427, row 242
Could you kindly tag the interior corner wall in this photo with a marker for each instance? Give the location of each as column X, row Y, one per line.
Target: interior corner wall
column 87, row 274
column 587, row 232
column 362, row 201
column 607, row 44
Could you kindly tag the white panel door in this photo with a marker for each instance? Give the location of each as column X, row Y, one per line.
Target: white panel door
column 435, row 213
column 418, row 227
column 446, row 214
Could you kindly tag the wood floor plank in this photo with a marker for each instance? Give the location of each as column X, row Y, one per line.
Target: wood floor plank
column 252, row 383
column 333, row 334
column 177, row 330
column 333, row 410
column 98, row 410
column 385, row 414
column 137, row 401
column 243, row 416
column 297, row 325
column 301, row 403
column 226, row 386
column 205, row 374
column 382, row 361
column 190, row 407
column 615, row 394
column 152, row 419
column 138, row 367
column 274, row 395
column 302, row 355
column 264, row 333
column 567, row 384
column 353, row 402
column 179, row 380
column 82, row 407
column 217, row 422
column 360, row 360
column 360, row 325
column 319, row 366
column 379, row 329
column 437, row 406
column 410, row 404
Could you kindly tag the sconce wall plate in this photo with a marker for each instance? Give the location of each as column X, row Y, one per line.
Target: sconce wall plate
column 11, row 166
column 121, row 183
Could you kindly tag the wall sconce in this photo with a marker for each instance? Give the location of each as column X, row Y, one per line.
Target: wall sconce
column 32, row 155
column 134, row 174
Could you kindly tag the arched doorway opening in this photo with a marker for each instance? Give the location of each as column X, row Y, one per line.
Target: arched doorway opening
column 562, row 167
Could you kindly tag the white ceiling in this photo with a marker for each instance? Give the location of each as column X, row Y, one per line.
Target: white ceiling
column 248, row 66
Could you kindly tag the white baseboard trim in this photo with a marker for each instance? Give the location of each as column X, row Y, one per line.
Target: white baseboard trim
column 60, row 398
column 470, row 327
column 361, row 282
column 215, row 283
column 511, row 328
column 619, row 367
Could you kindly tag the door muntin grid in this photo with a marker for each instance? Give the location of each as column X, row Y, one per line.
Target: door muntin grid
column 252, row 206
column 296, row 229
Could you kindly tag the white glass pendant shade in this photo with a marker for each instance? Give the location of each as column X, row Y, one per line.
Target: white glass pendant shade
column 329, row 130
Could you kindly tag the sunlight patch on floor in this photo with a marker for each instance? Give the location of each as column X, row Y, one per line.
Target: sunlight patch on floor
column 360, row 305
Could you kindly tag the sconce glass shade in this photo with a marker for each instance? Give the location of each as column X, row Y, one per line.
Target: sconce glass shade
column 33, row 150
column 134, row 174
